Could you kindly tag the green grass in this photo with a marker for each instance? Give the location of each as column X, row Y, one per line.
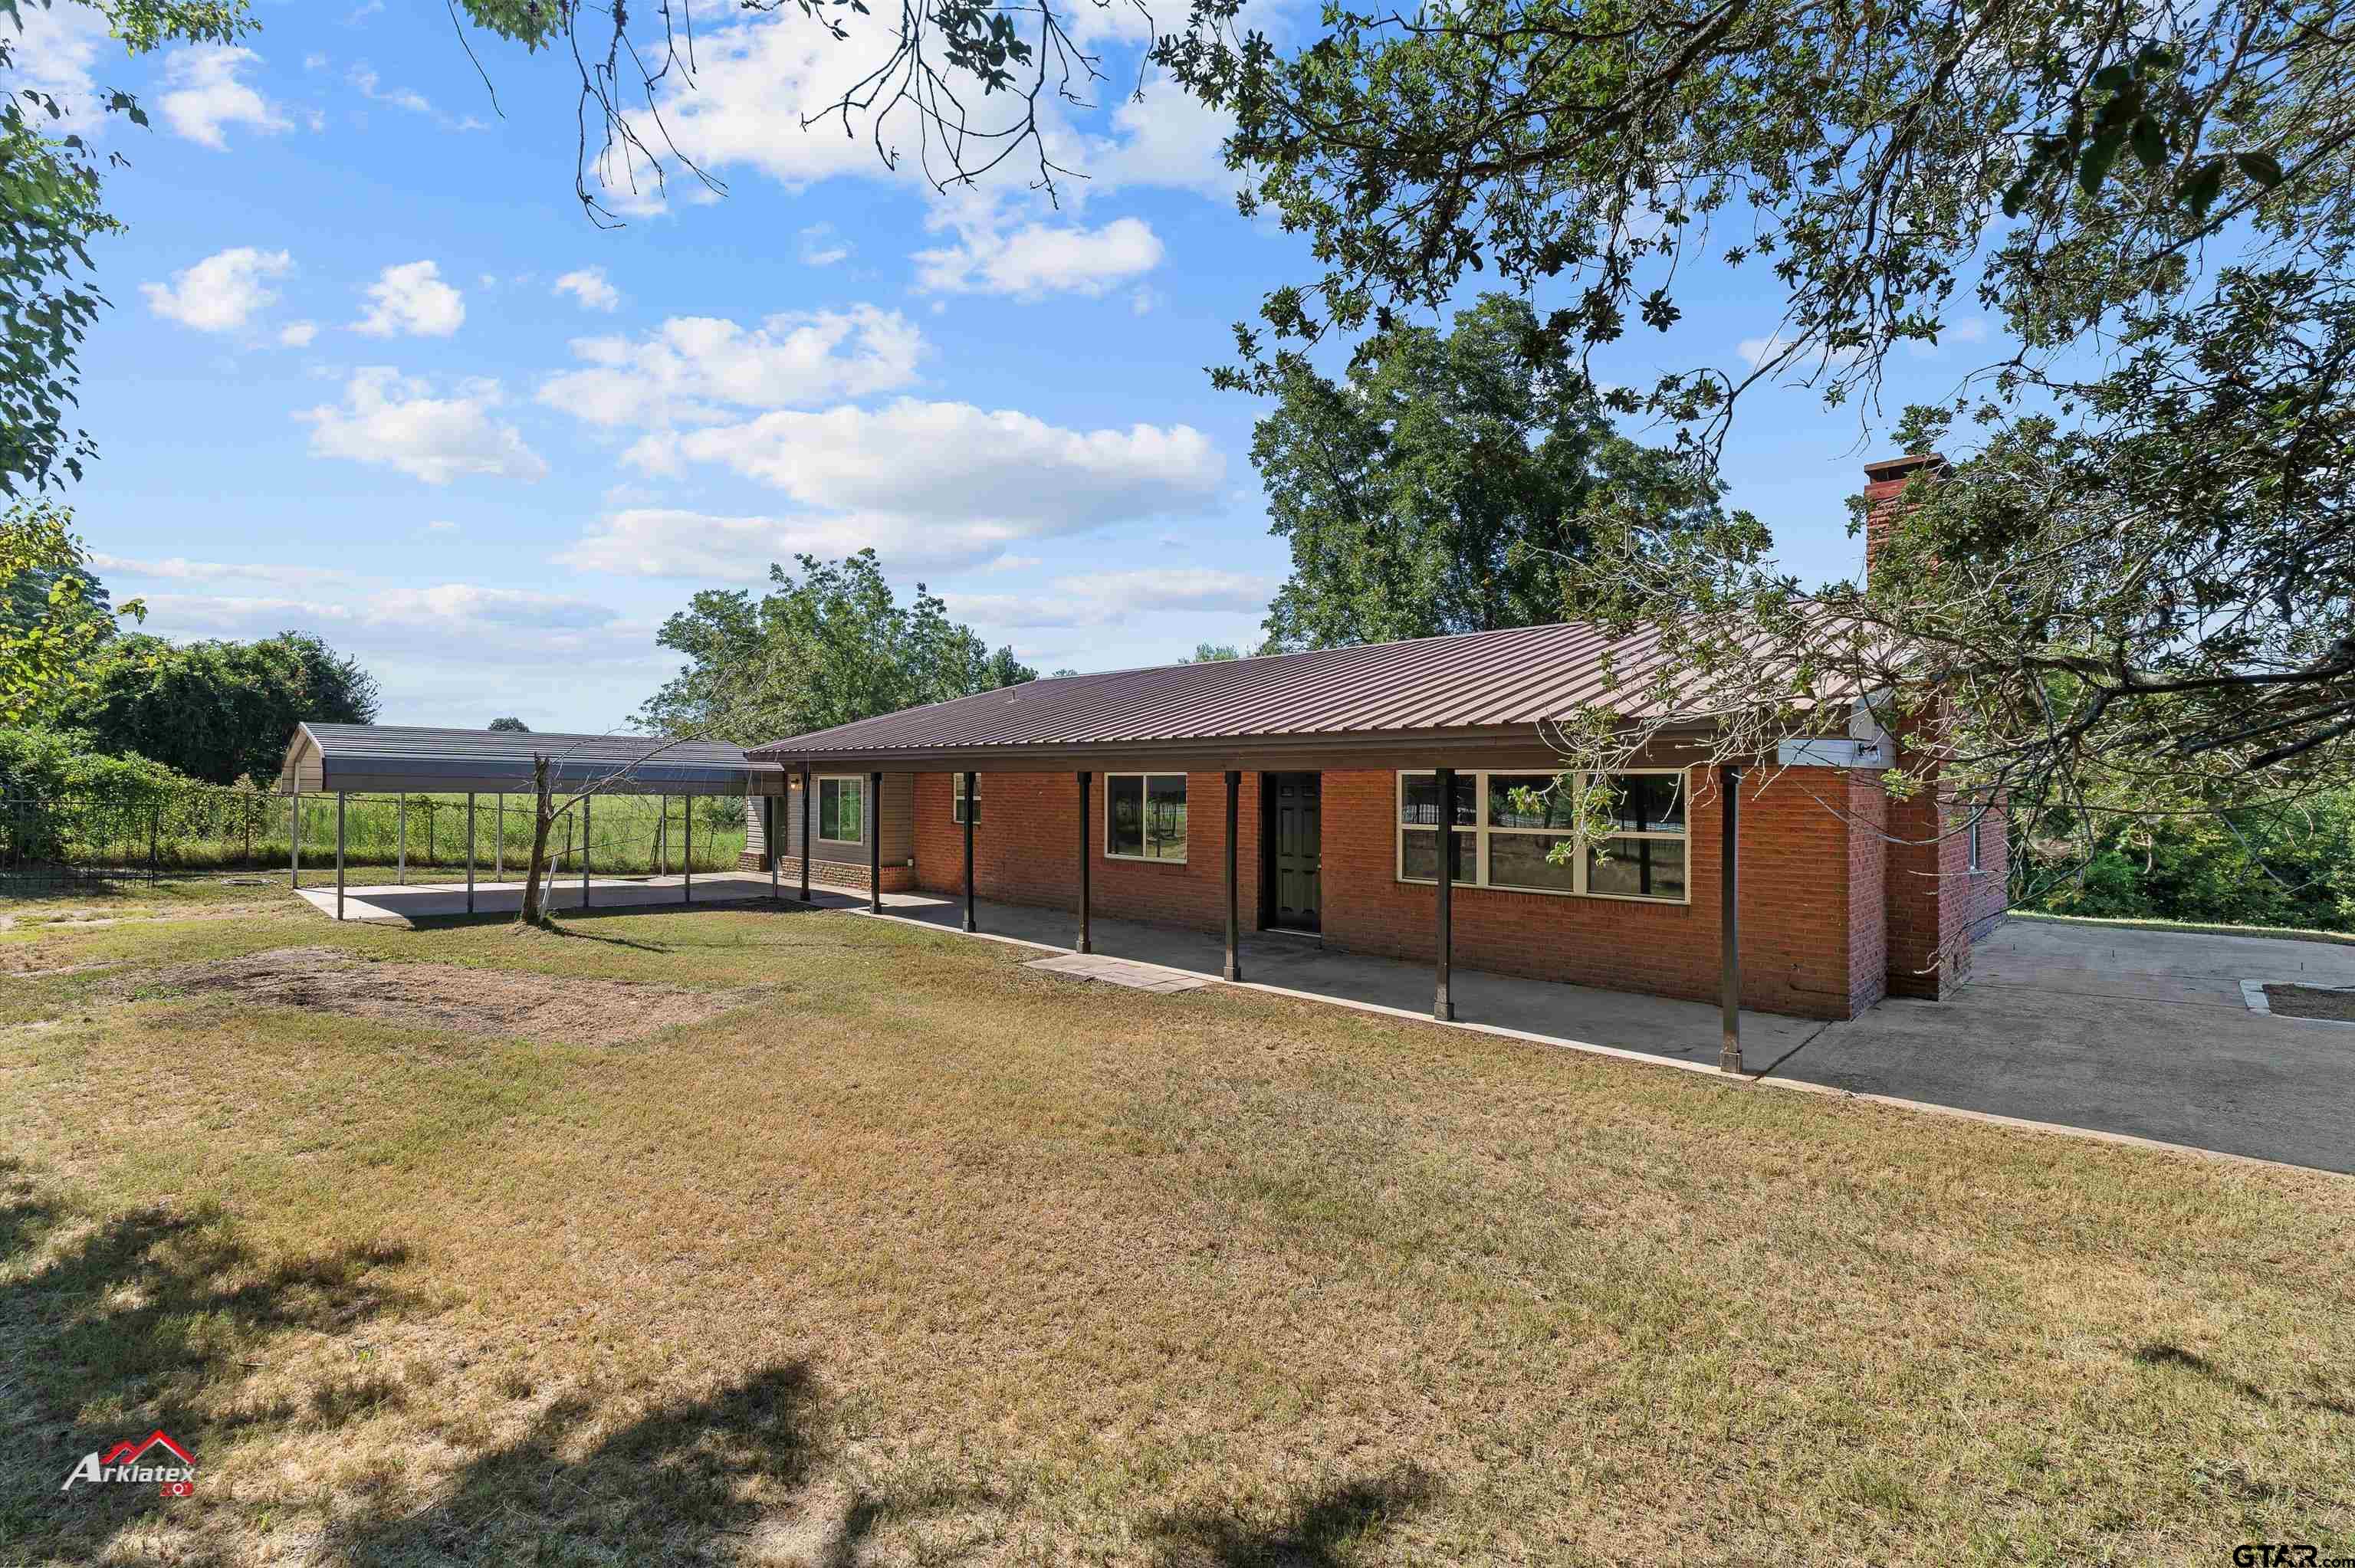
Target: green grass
column 2294, row 933
column 929, row 1257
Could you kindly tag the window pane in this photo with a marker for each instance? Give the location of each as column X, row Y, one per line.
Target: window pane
column 850, row 814
column 1124, row 815
column 1554, row 810
column 1649, row 802
column 1637, row 868
column 1165, row 816
column 1419, row 799
column 958, row 806
column 1519, row 860
column 1420, row 853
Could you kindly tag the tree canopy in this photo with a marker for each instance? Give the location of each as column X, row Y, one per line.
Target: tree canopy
column 830, row 646
column 1444, row 482
column 55, row 617
column 510, row 727
column 217, row 711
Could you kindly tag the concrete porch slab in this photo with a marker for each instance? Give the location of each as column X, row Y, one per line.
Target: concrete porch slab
column 407, row 904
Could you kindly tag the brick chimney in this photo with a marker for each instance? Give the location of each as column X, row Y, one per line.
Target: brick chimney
column 1884, row 482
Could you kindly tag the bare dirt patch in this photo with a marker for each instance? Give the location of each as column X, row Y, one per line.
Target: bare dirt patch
column 454, row 997
column 2312, row 1001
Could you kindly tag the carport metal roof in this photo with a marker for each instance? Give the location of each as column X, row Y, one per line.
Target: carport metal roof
column 375, row 758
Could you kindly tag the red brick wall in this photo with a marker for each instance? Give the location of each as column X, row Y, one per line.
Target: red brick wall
column 1939, row 908
column 1868, row 893
column 1796, row 905
column 1025, row 849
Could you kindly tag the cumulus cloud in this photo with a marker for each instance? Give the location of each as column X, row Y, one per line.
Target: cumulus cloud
column 180, row 569
column 54, row 50
column 589, row 286
column 411, row 298
column 1039, row 259
column 986, row 482
column 221, row 292
column 202, row 95
column 298, row 334
column 1108, row 599
column 395, row 421
column 693, row 368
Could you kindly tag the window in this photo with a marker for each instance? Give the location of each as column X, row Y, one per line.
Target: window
column 1145, row 816
column 1506, row 829
column 956, row 797
column 1978, row 850
column 842, row 811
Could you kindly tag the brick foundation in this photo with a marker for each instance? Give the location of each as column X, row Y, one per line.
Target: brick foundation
column 832, row 874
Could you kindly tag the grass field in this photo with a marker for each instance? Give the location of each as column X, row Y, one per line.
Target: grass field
column 903, row 1253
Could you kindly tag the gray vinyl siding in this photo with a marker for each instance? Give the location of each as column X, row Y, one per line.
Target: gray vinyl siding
column 899, row 825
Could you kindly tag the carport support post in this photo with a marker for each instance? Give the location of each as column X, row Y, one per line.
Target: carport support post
column 585, row 852
column 499, row 849
column 1729, row 784
column 874, row 843
column 1083, row 944
column 400, row 862
column 1234, row 929
column 686, row 855
column 295, row 840
column 969, row 814
column 808, row 787
column 339, row 854
column 1443, row 1001
column 470, row 851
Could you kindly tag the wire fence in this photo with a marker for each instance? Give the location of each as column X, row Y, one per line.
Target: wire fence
column 143, row 833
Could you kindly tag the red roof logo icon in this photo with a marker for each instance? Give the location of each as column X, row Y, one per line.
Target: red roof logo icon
column 128, row 1451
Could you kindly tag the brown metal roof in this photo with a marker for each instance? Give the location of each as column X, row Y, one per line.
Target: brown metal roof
column 1481, row 681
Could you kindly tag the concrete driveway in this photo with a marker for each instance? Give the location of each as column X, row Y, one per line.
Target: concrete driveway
column 2123, row 1030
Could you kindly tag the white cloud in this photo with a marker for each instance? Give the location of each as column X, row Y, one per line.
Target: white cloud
column 692, row 368
column 298, row 334
column 221, row 292
column 179, row 569
column 1108, row 599
column 1167, row 140
column 441, row 525
column 1037, row 260
column 54, row 50
column 411, row 298
column 589, row 286
column 986, row 482
column 202, row 94
column 395, row 421
column 821, row 247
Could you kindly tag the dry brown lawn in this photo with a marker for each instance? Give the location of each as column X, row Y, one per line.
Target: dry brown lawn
column 924, row 1257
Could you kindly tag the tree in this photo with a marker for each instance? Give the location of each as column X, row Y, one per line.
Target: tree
column 2131, row 592
column 829, row 647
column 216, row 710
column 55, row 617
column 1204, row 653
column 51, row 210
column 1443, row 485
column 510, row 727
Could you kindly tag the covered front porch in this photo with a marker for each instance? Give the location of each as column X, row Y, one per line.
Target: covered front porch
column 1550, row 1011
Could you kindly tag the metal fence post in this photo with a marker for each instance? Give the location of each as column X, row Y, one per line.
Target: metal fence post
column 339, row 854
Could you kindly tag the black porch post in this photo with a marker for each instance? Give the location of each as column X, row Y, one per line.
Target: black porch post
column 875, row 843
column 809, row 787
column 1442, row 1003
column 1084, row 944
column 969, row 814
column 1234, row 926
column 1729, row 784
column 770, row 817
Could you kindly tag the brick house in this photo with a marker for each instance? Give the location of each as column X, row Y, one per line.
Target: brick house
column 1305, row 792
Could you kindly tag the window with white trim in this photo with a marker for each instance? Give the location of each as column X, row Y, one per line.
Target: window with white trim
column 956, row 797
column 1978, row 847
column 842, row 811
column 1499, row 842
column 1144, row 817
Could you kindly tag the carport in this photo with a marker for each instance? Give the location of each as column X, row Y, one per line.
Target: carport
column 399, row 761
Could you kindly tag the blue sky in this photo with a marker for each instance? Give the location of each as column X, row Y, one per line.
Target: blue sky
column 371, row 374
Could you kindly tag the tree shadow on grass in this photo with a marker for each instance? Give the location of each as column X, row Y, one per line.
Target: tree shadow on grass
column 140, row 1320
column 2158, row 1353
column 1322, row 1530
column 661, row 1488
